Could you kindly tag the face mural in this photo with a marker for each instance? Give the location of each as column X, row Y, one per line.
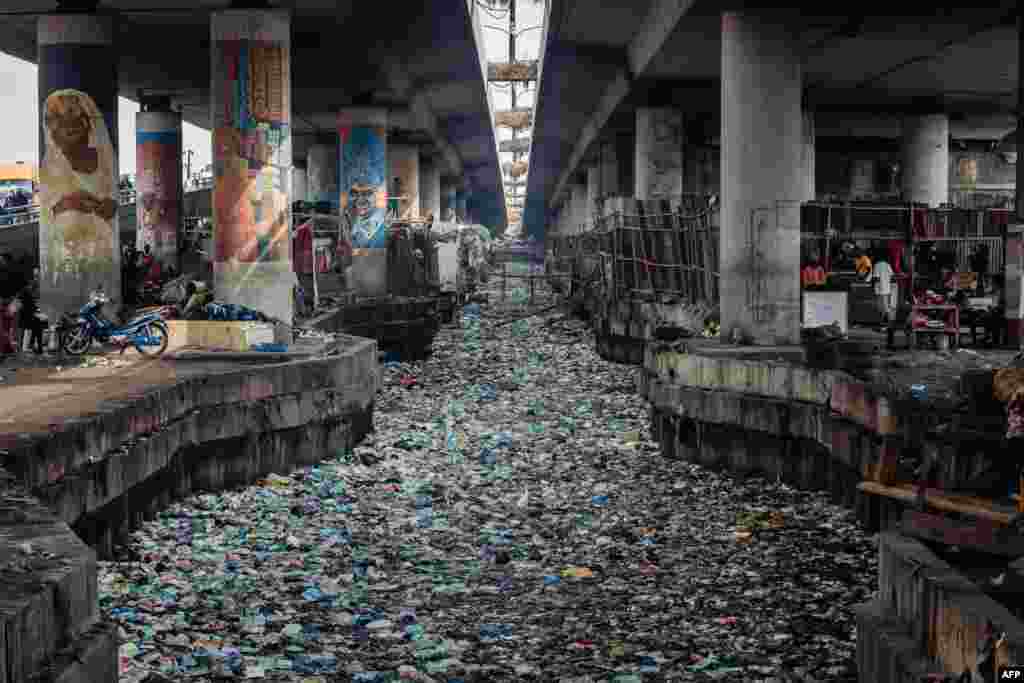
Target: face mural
column 363, row 184
column 157, row 186
column 78, row 193
column 251, row 212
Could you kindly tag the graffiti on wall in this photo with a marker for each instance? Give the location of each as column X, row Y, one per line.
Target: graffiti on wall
column 250, row 202
column 364, row 183
column 157, row 167
column 78, row 191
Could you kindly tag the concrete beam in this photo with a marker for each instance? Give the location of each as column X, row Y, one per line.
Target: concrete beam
column 514, row 145
column 426, row 120
column 658, row 25
column 525, row 70
column 518, row 118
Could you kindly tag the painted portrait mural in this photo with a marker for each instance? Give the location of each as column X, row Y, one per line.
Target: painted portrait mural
column 158, row 154
column 252, row 160
column 363, row 181
column 78, row 237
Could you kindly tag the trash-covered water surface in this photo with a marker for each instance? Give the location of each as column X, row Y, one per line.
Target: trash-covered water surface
column 509, row 519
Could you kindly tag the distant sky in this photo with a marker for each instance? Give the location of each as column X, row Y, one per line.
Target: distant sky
column 19, row 137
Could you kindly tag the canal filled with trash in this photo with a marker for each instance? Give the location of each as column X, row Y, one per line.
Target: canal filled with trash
column 509, row 519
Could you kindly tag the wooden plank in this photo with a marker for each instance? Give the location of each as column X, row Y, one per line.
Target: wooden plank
column 517, row 119
column 983, row 535
column 941, row 500
column 525, row 70
column 514, row 145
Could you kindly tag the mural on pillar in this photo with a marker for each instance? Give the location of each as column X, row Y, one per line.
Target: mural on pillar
column 78, row 188
column 665, row 153
column 157, row 165
column 250, row 202
column 363, row 181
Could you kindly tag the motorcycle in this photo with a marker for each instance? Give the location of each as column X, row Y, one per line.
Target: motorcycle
column 147, row 333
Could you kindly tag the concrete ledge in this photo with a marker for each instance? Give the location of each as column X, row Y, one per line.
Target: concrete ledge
column 101, row 480
column 948, row 613
column 39, row 459
column 46, row 602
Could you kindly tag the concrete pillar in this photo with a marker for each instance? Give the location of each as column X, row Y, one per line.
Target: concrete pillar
column 659, row 153
column 252, row 158
column 158, row 184
column 322, row 174
column 404, row 171
column 580, row 213
column 79, row 245
column 810, row 187
column 926, row 159
column 430, row 188
column 762, row 178
column 593, row 191
column 448, row 198
column 862, row 178
column 1015, row 233
column 607, row 161
column 461, row 204
column 299, row 186
column 362, row 136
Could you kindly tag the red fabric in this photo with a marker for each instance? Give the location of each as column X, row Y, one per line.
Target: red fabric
column 322, row 262
column 896, row 248
column 999, row 216
column 302, row 248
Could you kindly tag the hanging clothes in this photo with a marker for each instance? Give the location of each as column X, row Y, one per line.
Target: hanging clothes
column 302, row 248
column 896, row 249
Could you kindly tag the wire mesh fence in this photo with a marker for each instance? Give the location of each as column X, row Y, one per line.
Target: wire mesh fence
column 644, row 249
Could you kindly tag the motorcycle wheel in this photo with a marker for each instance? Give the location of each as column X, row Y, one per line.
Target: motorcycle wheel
column 76, row 340
column 156, row 329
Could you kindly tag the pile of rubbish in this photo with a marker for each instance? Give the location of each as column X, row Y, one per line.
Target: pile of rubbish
column 193, row 299
column 509, row 519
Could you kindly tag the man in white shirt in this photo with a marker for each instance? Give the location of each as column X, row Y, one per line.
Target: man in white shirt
column 882, row 275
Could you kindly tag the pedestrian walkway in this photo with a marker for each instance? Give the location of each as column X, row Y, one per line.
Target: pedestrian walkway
column 509, row 520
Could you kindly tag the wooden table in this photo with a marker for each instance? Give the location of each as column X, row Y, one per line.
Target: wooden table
column 951, row 329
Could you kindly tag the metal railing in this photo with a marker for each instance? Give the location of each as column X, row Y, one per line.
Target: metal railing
column 671, row 251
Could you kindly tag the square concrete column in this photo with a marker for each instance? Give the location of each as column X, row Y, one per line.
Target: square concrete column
column 862, row 178
column 322, row 168
column 430, row 188
column 448, row 198
column 762, row 180
column 594, row 193
column 580, row 213
column 404, row 169
column 608, row 164
column 252, row 158
column 810, row 185
column 299, row 188
column 659, row 153
column 363, row 181
column 926, row 159
column 79, row 245
column 158, row 184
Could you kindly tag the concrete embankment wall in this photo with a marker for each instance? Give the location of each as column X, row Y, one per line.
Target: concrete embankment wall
column 725, row 407
column 76, row 491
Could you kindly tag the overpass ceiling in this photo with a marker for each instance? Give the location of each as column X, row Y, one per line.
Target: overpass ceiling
column 342, row 53
column 962, row 59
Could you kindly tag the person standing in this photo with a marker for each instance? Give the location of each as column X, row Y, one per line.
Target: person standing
column 882, row 276
column 28, row 315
